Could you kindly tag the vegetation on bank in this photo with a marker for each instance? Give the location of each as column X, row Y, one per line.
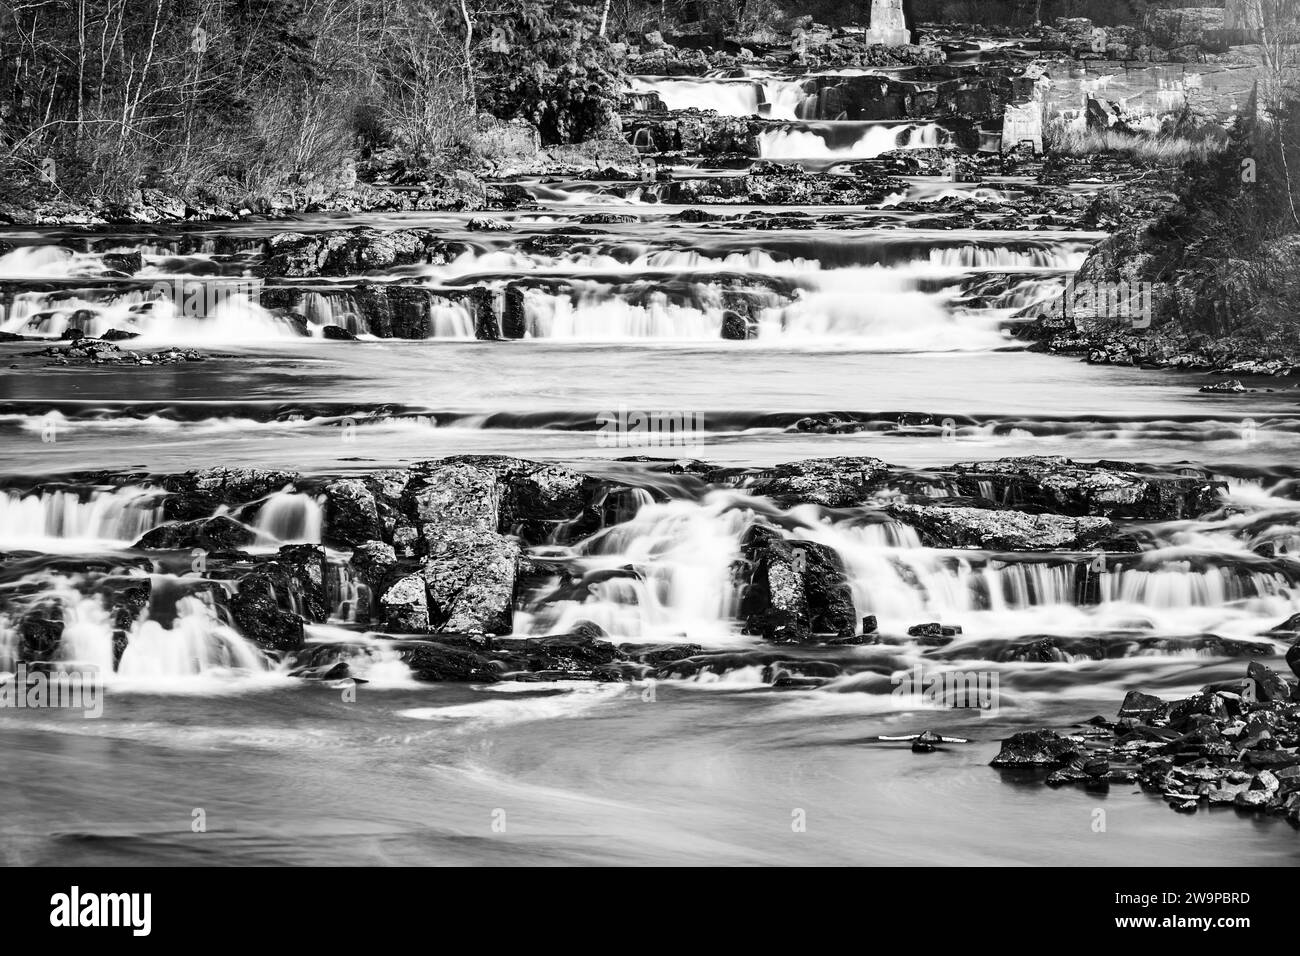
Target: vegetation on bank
column 246, row 97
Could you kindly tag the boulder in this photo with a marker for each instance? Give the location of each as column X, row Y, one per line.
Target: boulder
column 470, row 577
column 1036, row 748
column 405, row 606
column 997, row 530
column 351, row 513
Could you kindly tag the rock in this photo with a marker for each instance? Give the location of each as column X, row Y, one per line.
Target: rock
column 827, row 591
column 39, row 638
column 1231, row 386
column 373, row 561
column 1268, row 684
column 431, row 661
column 1036, row 748
column 235, row 485
column 1142, row 707
column 305, row 570
column 354, row 252
column 405, row 606
column 351, row 513
column 257, row 612
column 1102, row 489
column 337, row 333
column 221, row 533
column 484, row 224
column 454, row 495
column 774, row 604
column 926, row 742
column 470, row 577
column 869, row 624
column 829, row 482
column 996, row 530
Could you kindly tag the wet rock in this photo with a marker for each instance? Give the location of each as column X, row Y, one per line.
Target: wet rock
column 354, row 252
column 484, row 224
column 221, row 533
column 774, row 604
column 657, row 654
column 926, row 742
column 454, row 495
column 232, row 485
column 869, row 624
column 373, row 562
column 1142, row 707
column 305, row 573
column 337, row 333
column 1231, row 386
column 1105, row 489
column 433, row 661
column 996, row 530
column 405, row 606
column 537, row 500
column 1036, row 748
column 829, row 482
column 351, row 513
column 827, row 591
column 256, row 610
column 470, row 577
column 39, row 638
column 1268, row 685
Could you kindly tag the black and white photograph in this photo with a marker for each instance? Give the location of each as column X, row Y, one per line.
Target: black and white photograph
column 650, row 433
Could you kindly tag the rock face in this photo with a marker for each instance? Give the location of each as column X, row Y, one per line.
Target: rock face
column 997, row 530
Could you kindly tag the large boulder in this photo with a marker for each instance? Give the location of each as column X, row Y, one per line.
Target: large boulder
column 441, row 496
column 774, row 605
column 1105, row 488
column 354, row 252
column 470, row 577
column 351, row 513
column 405, row 606
column 1037, row 748
column 829, row 482
column 221, row 533
column 995, row 530
column 256, row 610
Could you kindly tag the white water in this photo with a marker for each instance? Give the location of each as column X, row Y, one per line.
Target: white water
column 874, row 139
column 771, row 98
column 69, row 520
column 289, row 517
column 684, row 553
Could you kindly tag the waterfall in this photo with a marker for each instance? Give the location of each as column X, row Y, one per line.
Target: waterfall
column 288, row 517
column 846, row 140
column 63, row 519
column 196, row 643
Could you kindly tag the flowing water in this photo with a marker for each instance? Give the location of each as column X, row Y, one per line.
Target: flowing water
column 873, row 314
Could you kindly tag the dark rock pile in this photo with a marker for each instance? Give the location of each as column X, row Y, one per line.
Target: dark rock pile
column 1233, row 743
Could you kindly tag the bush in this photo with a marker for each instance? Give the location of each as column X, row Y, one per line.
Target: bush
column 547, row 63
